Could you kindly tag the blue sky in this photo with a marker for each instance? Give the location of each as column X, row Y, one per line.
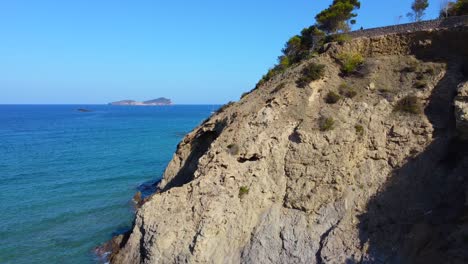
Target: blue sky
column 194, row 52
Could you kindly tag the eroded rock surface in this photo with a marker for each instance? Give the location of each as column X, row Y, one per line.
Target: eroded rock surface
column 259, row 182
column 461, row 110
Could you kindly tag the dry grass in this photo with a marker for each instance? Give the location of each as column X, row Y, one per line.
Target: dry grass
column 409, row 104
column 327, row 124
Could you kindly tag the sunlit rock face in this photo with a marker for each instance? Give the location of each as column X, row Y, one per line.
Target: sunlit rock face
column 261, row 181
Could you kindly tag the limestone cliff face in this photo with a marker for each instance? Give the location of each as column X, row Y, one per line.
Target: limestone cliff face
column 260, row 182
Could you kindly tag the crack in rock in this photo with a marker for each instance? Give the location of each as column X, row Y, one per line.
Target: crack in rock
column 323, row 237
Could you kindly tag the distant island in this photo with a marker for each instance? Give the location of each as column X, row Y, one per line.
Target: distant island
column 158, row 101
column 83, row 110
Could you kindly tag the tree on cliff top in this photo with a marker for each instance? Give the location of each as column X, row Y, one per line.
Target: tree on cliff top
column 418, row 7
column 445, row 5
column 458, row 8
column 338, row 16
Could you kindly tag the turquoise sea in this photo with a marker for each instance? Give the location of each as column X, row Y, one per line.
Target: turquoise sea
column 67, row 178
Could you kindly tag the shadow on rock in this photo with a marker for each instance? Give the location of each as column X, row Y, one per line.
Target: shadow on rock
column 420, row 215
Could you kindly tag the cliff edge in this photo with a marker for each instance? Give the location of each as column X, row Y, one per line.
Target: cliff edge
column 286, row 175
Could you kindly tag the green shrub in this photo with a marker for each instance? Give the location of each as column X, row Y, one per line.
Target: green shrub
column 420, row 84
column 302, row 82
column 458, row 8
column 350, row 62
column 313, row 55
column 284, row 62
column 332, row 98
column 243, row 191
column 233, row 149
column 347, row 91
column 273, row 72
column 295, row 50
column 409, row 104
column 340, row 38
column 299, row 47
column 270, row 74
column 260, row 83
column 310, row 35
column 314, row 71
column 311, row 72
column 293, row 45
column 327, row 124
column 359, row 130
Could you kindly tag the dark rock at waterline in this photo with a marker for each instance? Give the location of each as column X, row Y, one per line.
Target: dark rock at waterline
column 83, row 110
column 138, row 199
column 104, row 252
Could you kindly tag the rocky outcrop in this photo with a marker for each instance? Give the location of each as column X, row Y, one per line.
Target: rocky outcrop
column 260, row 182
column 461, row 110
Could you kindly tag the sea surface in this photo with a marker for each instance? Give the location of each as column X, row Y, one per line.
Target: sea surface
column 67, row 178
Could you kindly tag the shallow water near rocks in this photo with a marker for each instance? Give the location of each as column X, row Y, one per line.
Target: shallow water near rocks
column 67, row 177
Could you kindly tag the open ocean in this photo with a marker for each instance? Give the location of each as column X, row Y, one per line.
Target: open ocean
column 67, row 178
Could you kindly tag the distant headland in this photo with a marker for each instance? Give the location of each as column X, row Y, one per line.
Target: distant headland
column 158, row 101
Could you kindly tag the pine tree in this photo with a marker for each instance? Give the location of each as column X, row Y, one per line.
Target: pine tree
column 459, row 8
column 418, row 7
column 338, row 16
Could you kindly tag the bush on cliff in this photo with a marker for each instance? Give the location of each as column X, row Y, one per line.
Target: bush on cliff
column 296, row 49
column 340, row 38
column 332, row 98
column 350, row 61
column 300, row 47
column 271, row 72
column 233, row 149
column 312, row 72
column 347, row 91
column 359, row 130
column 459, row 8
column 243, row 191
column 326, row 124
column 409, row 104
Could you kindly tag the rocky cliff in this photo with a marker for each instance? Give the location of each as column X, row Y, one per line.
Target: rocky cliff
column 262, row 181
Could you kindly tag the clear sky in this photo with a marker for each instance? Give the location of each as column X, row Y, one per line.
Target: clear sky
column 194, row 52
